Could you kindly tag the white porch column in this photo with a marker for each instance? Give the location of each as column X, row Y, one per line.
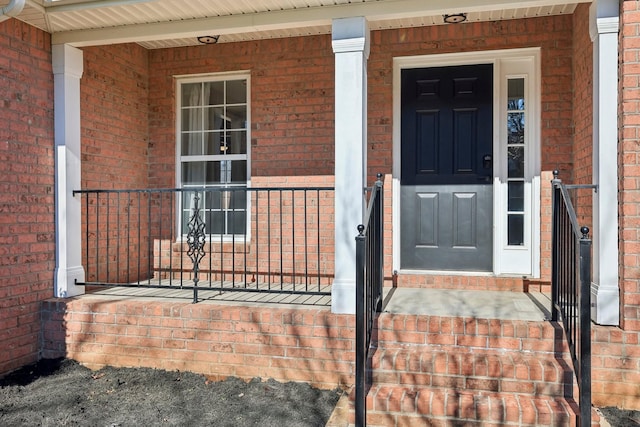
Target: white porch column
column 67, row 71
column 350, row 38
column 605, row 298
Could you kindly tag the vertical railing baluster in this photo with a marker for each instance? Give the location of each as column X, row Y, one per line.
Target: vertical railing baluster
column 118, row 237
column 293, row 239
column 281, row 241
column 269, row 238
column 256, row 222
column 318, row 238
column 361, row 333
column 87, row 248
column 97, row 236
column 306, row 245
column 195, row 241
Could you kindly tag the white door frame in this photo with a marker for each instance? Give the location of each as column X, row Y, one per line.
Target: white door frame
column 507, row 260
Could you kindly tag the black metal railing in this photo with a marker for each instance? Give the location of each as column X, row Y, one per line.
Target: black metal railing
column 221, row 239
column 571, row 287
column 369, row 281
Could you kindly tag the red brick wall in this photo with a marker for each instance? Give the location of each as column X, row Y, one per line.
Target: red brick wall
column 310, row 345
column 582, row 113
column 292, row 111
column 27, row 229
column 114, row 92
column 114, row 112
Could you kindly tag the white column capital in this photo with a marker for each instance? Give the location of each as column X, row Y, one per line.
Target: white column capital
column 350, row 35
column 604, row 17
column 67, row 60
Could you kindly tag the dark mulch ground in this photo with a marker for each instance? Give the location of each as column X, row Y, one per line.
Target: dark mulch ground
column 617, row 417
column 62, row 393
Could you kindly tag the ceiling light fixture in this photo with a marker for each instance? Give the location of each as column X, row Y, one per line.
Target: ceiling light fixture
column 455, row 18
column 208, row 39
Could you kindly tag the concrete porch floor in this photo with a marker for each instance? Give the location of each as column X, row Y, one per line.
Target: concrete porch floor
column 531, row 306
column 507, row 305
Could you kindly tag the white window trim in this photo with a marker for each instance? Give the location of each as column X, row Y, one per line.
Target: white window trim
column 199, row 78
column 507, row 260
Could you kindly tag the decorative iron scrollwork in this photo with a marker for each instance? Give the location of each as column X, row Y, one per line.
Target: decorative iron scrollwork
column 195, row 240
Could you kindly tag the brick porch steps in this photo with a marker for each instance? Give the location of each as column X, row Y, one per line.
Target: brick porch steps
column 427, row 406
column 464, row 371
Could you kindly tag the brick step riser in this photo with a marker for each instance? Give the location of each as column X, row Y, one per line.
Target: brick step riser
column 400, row 331
column 396, row 406
column 492, row 372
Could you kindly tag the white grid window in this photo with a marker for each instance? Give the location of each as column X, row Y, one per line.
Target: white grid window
column 213, row 151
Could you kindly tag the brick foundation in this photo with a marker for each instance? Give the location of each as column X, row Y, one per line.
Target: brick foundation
column 310, row 345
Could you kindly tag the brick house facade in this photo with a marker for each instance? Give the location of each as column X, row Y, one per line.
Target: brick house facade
column 128, row 140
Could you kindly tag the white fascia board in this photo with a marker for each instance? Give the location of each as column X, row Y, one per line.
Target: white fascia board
column 282, row 19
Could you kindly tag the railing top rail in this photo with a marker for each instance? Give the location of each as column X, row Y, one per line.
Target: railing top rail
column 189, row 189
column 375, row 192
column 580, row 232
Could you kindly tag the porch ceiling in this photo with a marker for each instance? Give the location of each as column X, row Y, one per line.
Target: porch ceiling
column 171, row 23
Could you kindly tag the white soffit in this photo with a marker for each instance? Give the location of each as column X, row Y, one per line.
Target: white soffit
column 172, row 23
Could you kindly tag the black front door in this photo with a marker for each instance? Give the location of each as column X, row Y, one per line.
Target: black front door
column 446, row 205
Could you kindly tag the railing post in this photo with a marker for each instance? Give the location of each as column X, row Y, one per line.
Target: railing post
column 555, row 251
column 585, row 328
column 379, row 248
column 195, row 240
column 361, row 336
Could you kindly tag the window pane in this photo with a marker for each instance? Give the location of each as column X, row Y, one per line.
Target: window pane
column 215, row 144
column 193, row 173
column 215, row 118
column 516, row 162
column 516, row 197
column 215, row 223
column 238, row 171
column 515, row 94
column 238, row 200
column 191, row 94
column 236, row 222
column 192, row 119
column 213, row 199
column 515, row 229
column 191, row 144
column 236, row 91
column 237, row 117
column 236, row 142
column 215, row 174
column 214, row 93
column 515, row 128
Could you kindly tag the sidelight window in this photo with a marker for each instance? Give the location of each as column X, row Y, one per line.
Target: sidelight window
column 516, row 143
